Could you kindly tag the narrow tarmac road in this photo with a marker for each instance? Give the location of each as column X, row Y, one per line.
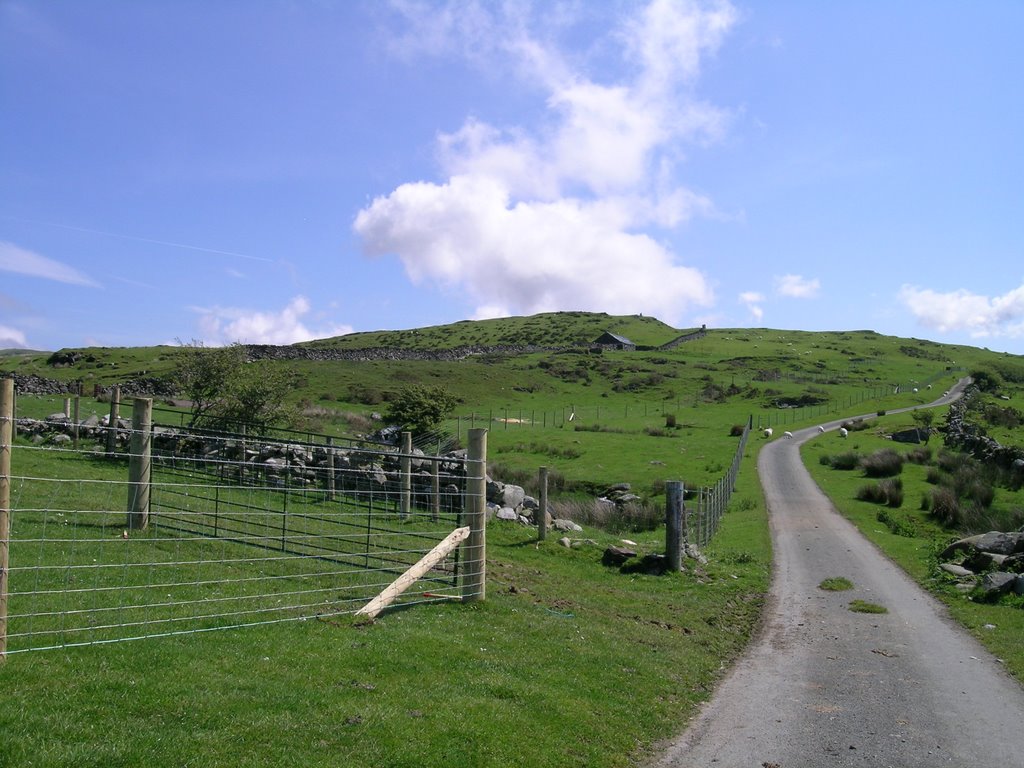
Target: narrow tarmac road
column 823, row 686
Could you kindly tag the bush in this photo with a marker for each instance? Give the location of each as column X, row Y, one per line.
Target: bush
column 946, row 507
column 847, row 460
column 737, row 430
column 883, row 463
column 888, row 492
column 921, row 455
column 982, row 494
column 825, row 460
column 934, row 476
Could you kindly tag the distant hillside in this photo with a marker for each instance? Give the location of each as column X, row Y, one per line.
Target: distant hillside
column 550, row 329
column 19, row 351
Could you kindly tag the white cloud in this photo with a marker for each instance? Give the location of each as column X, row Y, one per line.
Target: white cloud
column 753, row 301
column 797, row 286
column 12, row 338
column 962, row 310
column 528, row 257
column 225, row 325
column 553, row 215
column 25, row 262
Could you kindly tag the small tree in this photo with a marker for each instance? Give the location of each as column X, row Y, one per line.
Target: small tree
column 923, row 417
column 226, row 388
column 202, row 374
column 420, row 408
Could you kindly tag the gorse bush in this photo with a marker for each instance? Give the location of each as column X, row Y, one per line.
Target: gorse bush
column 883, row 463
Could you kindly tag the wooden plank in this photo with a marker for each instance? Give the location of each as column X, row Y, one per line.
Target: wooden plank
column 407, row 579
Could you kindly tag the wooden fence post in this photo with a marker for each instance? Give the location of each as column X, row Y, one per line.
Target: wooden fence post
column 140, row 463
column 115, row 414
column 75, row 422
column 674, row 524
column 6, row 438
column 435, row 490
column 542, row 519
column 330, row 469
column 405, row 499
column 474, row 550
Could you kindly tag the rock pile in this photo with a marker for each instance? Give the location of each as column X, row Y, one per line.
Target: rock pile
column 990, row 564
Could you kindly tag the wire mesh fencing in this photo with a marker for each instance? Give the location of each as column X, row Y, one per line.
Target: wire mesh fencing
column 710, row 502
column 232, row 531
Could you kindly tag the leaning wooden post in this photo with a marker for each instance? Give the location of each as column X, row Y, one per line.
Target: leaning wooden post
column 405, row 500
column 674, row 524
column 6, row 438
column 115, row 414
column 474, row 551
column 542, row 513
column 140, row 463
column 67, row 407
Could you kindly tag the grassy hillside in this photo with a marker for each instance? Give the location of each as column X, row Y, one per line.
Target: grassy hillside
column 567, row 663
column 621, row 403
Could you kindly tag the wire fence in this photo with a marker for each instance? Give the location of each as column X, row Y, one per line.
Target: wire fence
column 231, row 531
column 711, row 502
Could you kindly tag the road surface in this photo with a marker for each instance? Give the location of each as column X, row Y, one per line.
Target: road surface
column 823, row 686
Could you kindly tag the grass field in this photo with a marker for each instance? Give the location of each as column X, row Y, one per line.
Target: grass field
column 567, row 663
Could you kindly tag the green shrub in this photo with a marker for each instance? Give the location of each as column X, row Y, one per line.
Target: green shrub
column 982, row 494
column 825, row 460
column 883, row 463
column 846, row 460
column 946, row 507
column 921, row 455
column 888, row 492
column 934, row 476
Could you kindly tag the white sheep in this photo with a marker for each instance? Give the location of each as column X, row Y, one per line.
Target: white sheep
column 768, row 432
column 843, row 432
column 821, row 429
column 787, row 434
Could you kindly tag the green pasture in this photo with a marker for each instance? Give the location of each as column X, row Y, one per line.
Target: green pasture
column 567, row 663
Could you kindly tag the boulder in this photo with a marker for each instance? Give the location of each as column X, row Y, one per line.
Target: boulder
column 565, row 525
column 617, row 556
column 512, row 496
column 997, row 583
column 956, row 570
column 1001, row 543
column 979, row 561
column 506, row 513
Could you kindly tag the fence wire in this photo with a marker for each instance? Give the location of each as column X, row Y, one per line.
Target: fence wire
column 239, row 532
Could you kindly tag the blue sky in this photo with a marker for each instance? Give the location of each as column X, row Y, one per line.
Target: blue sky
column 280, row 170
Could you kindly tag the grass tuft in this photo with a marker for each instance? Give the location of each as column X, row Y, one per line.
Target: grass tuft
column 836, row 584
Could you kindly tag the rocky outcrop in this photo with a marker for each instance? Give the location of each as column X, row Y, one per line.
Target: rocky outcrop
column 989, row 565
column 965, row 437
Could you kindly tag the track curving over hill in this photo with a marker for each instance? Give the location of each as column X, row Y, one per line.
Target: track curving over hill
column 823, row 686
